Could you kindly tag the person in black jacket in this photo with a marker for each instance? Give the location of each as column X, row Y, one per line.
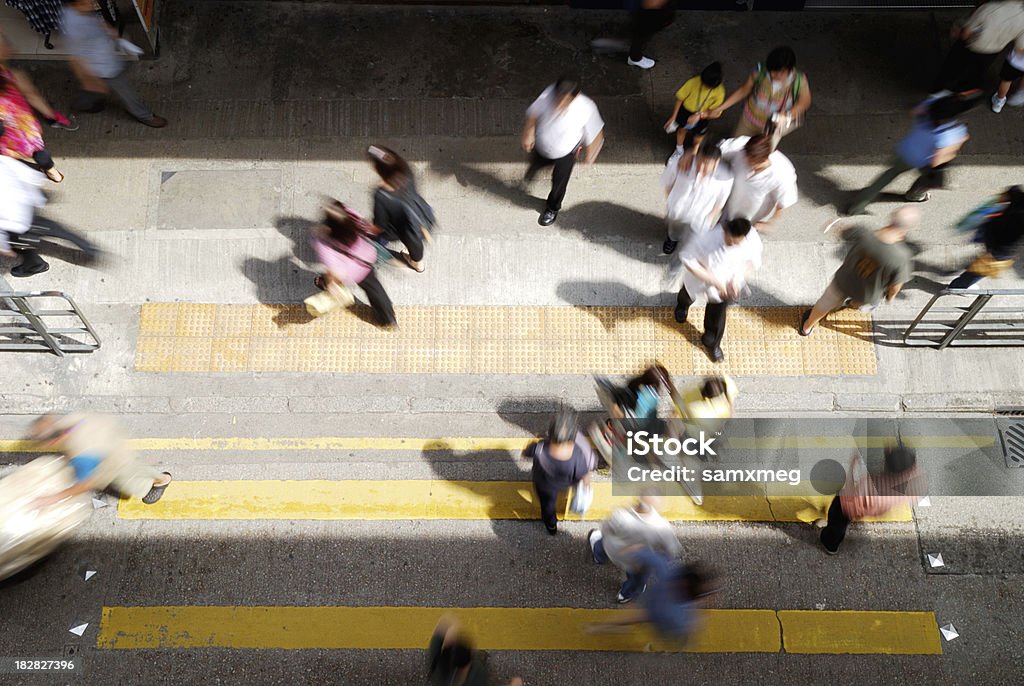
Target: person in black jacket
column 397, row 207
column 1000, row 234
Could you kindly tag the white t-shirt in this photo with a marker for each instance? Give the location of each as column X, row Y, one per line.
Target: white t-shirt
column 995, row 24
column 558, row 133
column 757, row 196
column 725, row 262
column 692, row 199
column 19, row 197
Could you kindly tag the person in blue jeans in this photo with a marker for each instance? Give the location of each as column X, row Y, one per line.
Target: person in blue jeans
column 559, row 462
column 626, row 528
column 933, row 142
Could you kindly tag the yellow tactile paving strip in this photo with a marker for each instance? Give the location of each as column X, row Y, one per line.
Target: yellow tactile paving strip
column 197, row 337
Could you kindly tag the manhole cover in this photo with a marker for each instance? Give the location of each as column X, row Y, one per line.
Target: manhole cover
column 1013, row 444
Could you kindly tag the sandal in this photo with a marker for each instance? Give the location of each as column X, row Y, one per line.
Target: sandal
column 54, row 175
column 156, row 492
column 803, row 320
column 320, row 283
column 416, row 267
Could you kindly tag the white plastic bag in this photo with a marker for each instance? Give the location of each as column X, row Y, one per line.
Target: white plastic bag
column 582, row 498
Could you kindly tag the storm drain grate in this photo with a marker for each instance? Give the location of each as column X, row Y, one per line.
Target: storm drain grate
column 1013, row 444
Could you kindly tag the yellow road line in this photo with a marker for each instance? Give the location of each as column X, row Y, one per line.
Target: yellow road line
column 504, row 339
column 511, row 444
column 860, row 633
column 395, row 499
column 562, row 629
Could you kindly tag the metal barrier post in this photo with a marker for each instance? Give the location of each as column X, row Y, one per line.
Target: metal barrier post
column 965, row 319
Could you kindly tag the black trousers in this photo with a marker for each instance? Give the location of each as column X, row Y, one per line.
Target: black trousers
column 413, row 242
column 963, row 69
column 548, row 497
column 383, row 310
column 559, row 176
column 834, row 533
column 714, row 318
column 646, row 23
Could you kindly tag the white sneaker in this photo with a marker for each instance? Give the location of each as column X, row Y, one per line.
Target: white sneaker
column 643, row 63
column 1016, row 100
column 997, row 103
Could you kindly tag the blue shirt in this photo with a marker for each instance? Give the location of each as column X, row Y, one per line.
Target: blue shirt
column 672, row 614
column 924, row 138
column 84, row 465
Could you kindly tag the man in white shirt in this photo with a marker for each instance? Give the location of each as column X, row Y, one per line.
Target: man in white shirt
column 764, row 182
column 979, row 41
column 559, row 125
column 716, row 266
column 626, row 528
column 697, row 188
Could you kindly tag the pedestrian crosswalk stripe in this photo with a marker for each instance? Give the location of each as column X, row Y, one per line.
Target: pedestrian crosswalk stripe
column 440, row 499
column 509, row 444
column 455, row 339
column 495, row 628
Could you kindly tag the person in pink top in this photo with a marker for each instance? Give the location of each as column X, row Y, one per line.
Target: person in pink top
column 873, row 495
column 21, row 136
column 342, row 243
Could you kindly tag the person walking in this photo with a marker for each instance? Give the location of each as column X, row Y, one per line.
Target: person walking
column 877, row 264
column 978, row 41
column 97, row 449
column 97, row 64
column 343, row 244
column 640, row 524
column 22, row 230
column 764, row 181
column 776, row 97
column 21, row 136
column 716, row 266
column 933, row 142
column 561, row 125
column 453, row 661
column 398, row 209
column 674, row 595
column 1000, row 233
column 701, row 93
column 1010, row 76
column 697, row 187
column 901, row 482
column 564, row 459
column 649, row 17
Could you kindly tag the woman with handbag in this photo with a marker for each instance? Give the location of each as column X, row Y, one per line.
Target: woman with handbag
column 343, row 245
column 776, row 96
column 999, row 232
column 873, row 495
column 398, row 209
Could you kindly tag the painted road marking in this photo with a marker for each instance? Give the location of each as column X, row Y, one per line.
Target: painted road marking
column 396, row 499
column 455, row 339
column 510, row 444
column 562, row 629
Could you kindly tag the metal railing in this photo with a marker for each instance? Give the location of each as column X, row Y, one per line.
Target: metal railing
column 24, row 327
column 1005, row 328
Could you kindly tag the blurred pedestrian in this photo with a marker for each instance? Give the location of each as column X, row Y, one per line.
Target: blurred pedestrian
column 22, row 230
column 865, row 494
column 627, row 527
column 716, row 266
column 564, row 459
column 398, row 209
column 707, row 402
column 999, row 232
column 700, row 94
column 453, row 661
column 764, row 181
column 21, row 136
column 649, row 17
column 877, row 264
column 674, row 595
column 98, row 63
column 1010, row 76
column 933, row 142
column 343, row 243
column 97, row 449
column 561, row 125
column 978, row 42
column 697, row 187
column 776, row 96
